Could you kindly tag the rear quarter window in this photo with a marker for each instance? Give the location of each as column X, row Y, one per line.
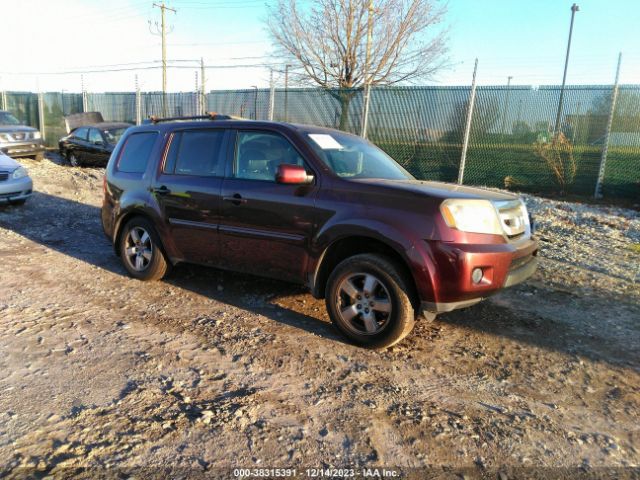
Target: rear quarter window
column 136, row 151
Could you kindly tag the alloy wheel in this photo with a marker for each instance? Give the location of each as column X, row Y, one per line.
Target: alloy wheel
column 138, row 249
column 363, row 303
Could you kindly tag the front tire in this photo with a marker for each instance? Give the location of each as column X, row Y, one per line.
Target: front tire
column 73, row 159
column 140, row 250
column 39, row 157
column 367, row 301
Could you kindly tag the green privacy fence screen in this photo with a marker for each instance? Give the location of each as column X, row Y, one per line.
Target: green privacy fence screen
column 421, row 127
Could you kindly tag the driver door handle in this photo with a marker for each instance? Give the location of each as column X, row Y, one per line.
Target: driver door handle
column 163, row 190
column 236, row 199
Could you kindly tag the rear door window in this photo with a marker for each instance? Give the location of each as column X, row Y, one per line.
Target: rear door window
column 81, row 133
column 195, row 153
column 95, row 136
column 136, row 152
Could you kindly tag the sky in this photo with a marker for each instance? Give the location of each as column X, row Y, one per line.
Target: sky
column 522, row 39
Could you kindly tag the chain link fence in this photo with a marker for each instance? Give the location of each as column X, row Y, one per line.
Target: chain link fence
column 421, row 127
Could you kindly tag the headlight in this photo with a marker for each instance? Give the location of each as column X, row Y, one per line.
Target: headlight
column 37, row 135
column 19, row 172
column 473, row 216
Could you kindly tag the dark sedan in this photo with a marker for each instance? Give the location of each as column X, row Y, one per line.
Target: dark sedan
column 91, row 144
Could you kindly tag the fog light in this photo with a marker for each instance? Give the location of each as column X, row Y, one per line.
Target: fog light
column 476, row 275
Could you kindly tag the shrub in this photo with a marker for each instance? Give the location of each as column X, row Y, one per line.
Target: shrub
column 558, row 155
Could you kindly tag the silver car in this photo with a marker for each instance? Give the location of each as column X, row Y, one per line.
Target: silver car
column 17, row 140
column 15, row 183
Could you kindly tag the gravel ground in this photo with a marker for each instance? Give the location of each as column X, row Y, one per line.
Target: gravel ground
column 208, row 371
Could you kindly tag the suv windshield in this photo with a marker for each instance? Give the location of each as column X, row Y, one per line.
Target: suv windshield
column 7, row 119
column 113, row 134
column 352, row 157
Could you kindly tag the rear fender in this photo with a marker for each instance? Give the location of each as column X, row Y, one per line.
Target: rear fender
column 132, row 205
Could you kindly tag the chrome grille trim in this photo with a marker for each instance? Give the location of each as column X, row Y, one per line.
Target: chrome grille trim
column 513, row 219
column 18, row 136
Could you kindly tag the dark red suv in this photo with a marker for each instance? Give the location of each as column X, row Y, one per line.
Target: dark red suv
column 316, row 207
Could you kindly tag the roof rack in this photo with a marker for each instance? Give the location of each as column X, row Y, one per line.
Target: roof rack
column 209, row 116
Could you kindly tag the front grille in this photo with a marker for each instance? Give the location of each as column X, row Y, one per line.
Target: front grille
column 512, row 218
column 4, row 176
column 20, row 136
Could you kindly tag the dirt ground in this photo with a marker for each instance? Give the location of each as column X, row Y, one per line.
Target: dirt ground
column 208, row 371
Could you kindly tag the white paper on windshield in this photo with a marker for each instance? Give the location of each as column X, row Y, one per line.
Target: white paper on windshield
column 325, row 142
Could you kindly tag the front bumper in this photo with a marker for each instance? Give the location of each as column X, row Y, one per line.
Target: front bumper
column 12, row 190
column 503, row 265
column 29, row 148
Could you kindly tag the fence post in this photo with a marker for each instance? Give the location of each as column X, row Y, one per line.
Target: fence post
column 365, row 112
column 138, row 109
column 605, row 148
column 203, row 91
column 467, row 125
column 85, row 101
column 41, row 115
column 3, row 97
column 272, row 96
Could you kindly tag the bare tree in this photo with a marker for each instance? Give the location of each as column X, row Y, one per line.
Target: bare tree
column 328, row 41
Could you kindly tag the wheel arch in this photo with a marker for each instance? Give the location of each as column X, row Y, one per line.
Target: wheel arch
column 348, row 246
column 125, row 218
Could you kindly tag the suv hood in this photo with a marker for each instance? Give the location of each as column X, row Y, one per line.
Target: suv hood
column 7, row 163
column 16, row 128
column 437, row 189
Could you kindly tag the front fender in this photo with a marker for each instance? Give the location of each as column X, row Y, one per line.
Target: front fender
column 415, row 252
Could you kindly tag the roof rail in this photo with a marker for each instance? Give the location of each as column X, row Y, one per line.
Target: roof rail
column 209, row 116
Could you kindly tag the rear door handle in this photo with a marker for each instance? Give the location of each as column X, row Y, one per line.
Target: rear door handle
column 163, row 190
column 236, row 199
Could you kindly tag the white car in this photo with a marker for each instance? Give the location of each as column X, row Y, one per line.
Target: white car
column 15, row 184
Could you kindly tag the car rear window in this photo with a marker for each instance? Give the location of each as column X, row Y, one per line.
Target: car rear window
column 194, row 152
column 136, row 152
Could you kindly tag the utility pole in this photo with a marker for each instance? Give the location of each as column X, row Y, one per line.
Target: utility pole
column 163, row 33
column 574, row 9
column 367, row 78
column 203, row 94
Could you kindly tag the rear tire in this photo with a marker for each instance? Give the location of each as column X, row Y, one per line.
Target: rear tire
column 141, row 252
column 367, row 301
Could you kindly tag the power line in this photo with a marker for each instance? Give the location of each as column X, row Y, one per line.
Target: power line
column 148, row 67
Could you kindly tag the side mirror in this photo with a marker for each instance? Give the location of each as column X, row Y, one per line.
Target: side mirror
column 293, row 175
column 98, row 142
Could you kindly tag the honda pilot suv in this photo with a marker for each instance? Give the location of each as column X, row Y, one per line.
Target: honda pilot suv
column 317, row 207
